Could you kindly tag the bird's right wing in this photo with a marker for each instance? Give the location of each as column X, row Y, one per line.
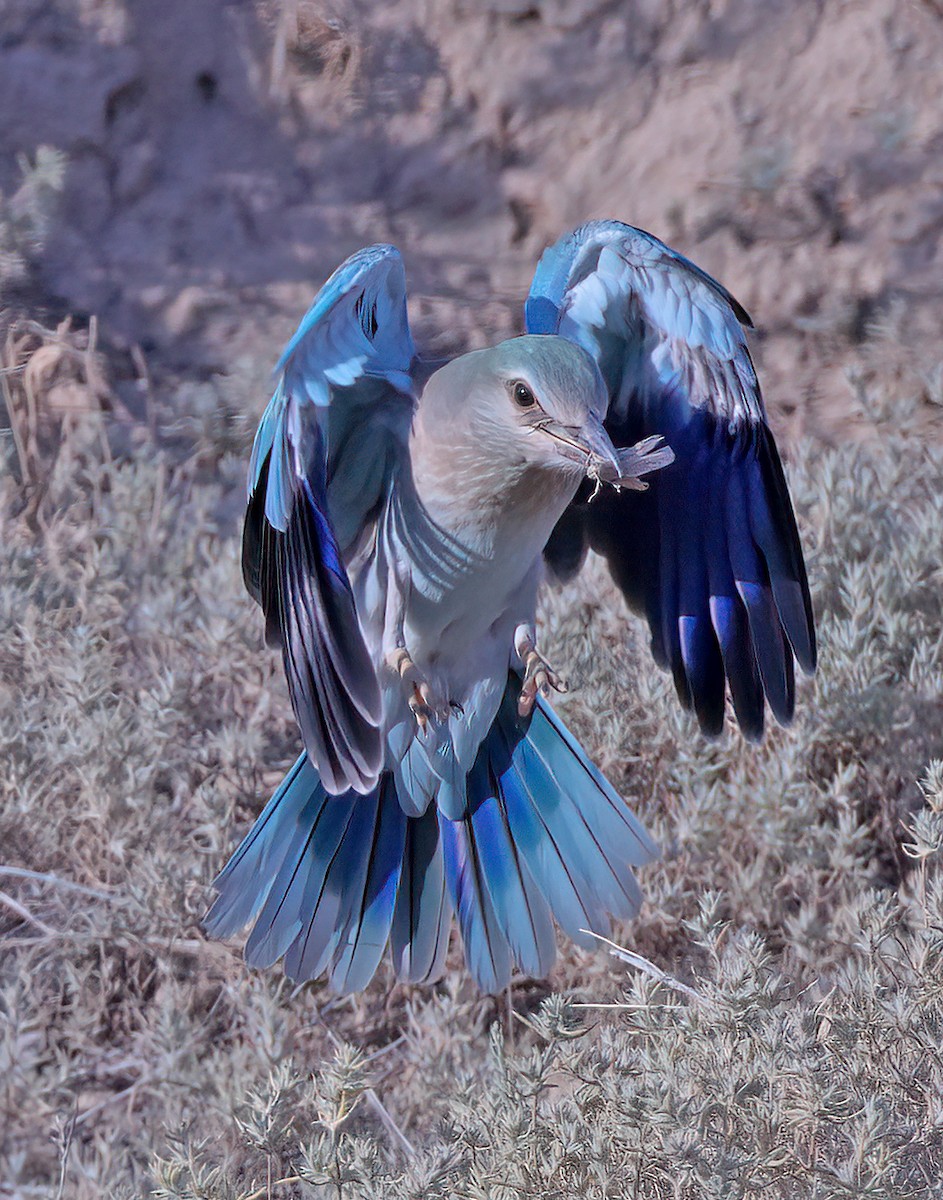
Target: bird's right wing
column 325, row 451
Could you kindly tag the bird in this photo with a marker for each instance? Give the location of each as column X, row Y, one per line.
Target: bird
column 402, row 514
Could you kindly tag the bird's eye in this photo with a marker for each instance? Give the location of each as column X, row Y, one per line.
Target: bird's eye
column 522, row 395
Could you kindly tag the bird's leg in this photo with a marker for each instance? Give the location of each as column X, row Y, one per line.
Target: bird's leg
column 420, row 696
column 539, row 676
column 421, row 699
column 423, row 703
column 397, row 657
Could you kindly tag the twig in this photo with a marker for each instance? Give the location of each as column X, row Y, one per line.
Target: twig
column 66, row 1143
column 530, row 1025
column 286, row 32
column 198, row 947
column 266, row 1188
column 385, row 1049
column 42, row 877
column 391, row 1127
column 377, row 1105
column 144, row 382
column 126, row 1091
column 23, row 943
column 157, row 507
column 642, row 964
column 621, row 1005
column 25, row 915
column 13, row 414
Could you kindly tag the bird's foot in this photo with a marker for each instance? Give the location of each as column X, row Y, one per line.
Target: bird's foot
column 422, row 701
column 539, row 676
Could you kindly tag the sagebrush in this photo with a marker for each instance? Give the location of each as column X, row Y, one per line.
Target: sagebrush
column 788, row 1040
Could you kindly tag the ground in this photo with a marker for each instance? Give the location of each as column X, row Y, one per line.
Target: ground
column 176, row 182
column 224, row 157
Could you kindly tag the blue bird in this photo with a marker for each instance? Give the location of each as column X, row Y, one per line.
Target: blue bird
column 401, row 515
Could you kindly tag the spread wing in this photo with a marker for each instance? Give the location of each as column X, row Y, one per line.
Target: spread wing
column 327, row 446
column 710, row 553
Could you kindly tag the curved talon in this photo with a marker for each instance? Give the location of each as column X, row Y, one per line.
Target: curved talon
column 399, row 661
column 420, row 709
column 539, row 676
column 422, row 703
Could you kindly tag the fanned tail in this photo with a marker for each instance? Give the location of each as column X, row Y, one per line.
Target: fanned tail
column 330, row 881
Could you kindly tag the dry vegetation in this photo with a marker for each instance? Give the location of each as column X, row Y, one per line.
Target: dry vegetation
column 799, row 900
column 788, row 1040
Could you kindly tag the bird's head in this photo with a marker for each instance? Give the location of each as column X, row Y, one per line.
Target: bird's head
column 534, row 401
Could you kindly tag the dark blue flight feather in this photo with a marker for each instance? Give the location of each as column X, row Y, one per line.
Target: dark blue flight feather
column 711, row 553
column 343, row 381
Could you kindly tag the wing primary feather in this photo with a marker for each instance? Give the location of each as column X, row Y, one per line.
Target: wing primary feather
column 775, row 531
column 700, row 652
column 773, row 656
column 341, row 409
column 710, row 553
column 728, row 614
column 332, row 683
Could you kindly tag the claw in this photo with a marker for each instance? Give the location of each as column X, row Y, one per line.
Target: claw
column 420, row 709
column 399, row 661
column 539, row 676
column 422, row 703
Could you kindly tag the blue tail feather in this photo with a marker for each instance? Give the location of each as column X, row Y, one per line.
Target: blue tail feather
column 486, row 949
column 330, row 880
column 603, row 810
column 542, row 844
column 299, row 885
column 368, row 924
column 422, row 918
column 263, row 850
column 334, row 890
column 521, row 909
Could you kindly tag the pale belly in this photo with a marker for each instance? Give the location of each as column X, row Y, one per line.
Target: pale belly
column 468, row 634
column 452, row 598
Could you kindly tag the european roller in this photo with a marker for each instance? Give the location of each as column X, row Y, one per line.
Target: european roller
column 401, row 516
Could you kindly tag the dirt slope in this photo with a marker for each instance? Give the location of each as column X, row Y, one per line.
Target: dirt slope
column 223, row 157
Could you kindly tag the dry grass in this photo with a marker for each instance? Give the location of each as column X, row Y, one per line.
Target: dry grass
column 142, row 725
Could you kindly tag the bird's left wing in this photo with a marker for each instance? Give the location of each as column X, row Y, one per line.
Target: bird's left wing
column 710, row 553
column 323, row 456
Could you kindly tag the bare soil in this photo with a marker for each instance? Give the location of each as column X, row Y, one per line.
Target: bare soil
column 223, row 157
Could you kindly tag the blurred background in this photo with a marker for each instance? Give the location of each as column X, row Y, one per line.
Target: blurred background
column 177, row 178
column 215, row 161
